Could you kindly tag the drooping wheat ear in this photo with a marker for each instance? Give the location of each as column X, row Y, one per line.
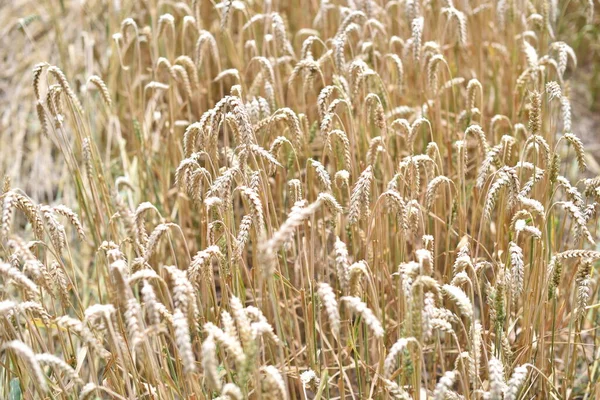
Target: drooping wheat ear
column 356, row 271
column 54, row 103
column 265, row 155
column 374, row 106
column 101, row 86
column 444, row 385
column 37, row 74
column 515, row 382
column 205, row 39
column 579, row 219
column 184, row 342
column 331, row 306
column 272, row 383
column 210, row 363
column 432, row 72
column 571, row 192
column 376, row 146
column 473, row 87
column 55, row 229
column 565, row 52
column 323, row 99
column 269, row 249
column 164, row 21
column 322, row 174
column 243, row 235
column 18, row 278
column 284, row 47
column 517, row 269
column 129, row 22
column 310, row 69
column 491, row 158
column 462, row 301
column 417, row 32
column 584, row 290
column 479, row 134
column 278, row 144
column 154, row 239
column 28, row 357
column 14, row 199
column 399, row 67
column 201, row 264
column 461, row 21
column 397, row 348
column 191, row 69
column 463, row 258
column 497, row 379
column 32, row 266
column 330, row 202
column 33, row 307
column 579, row 150
column 62, row 81
column 443, row 326
column 183, row 292
column 41, row 113
column 404, row 127
column 433, row 186
column 360, row 197
column 353, row 17
column 257, row 208
column 506, row 178
column 358, row 307
column 341, row 135
column 139, row 215
column 497, row 121
column 59, row 365
column 193, row 133
column 72, row 217
column 182, row 76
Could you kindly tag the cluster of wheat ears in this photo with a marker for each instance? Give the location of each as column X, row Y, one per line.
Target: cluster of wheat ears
column 352, row 199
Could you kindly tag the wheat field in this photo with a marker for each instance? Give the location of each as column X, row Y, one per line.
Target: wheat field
column 303, row 199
